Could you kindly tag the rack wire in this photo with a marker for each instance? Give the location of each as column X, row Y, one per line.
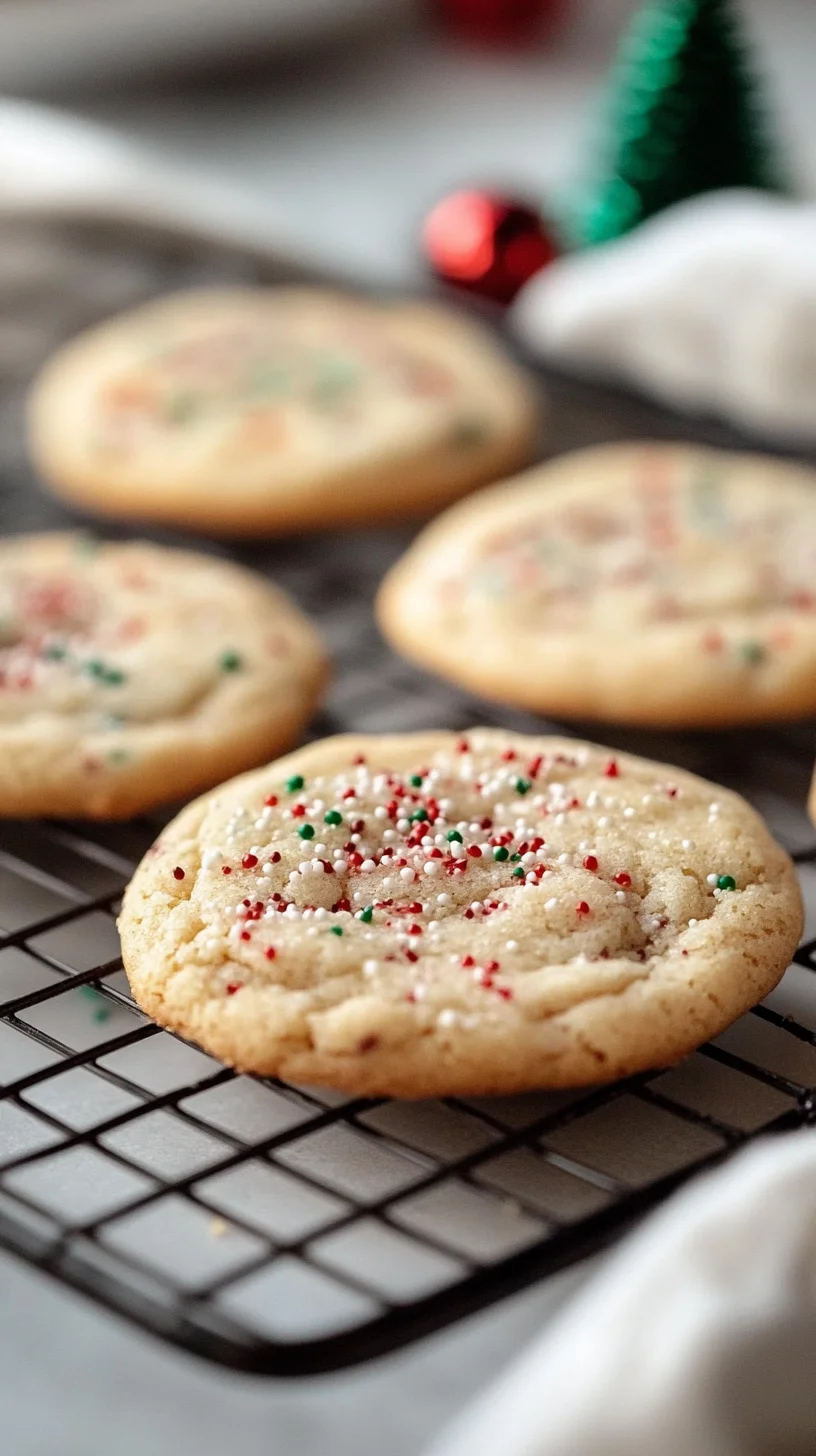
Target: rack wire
column 285, row 1229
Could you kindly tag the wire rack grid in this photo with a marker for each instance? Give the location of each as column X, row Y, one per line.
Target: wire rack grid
column 285, row 1229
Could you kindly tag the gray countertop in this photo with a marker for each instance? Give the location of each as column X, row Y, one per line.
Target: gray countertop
column 77, row 1382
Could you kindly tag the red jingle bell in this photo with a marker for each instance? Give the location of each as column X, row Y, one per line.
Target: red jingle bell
column 487, row 244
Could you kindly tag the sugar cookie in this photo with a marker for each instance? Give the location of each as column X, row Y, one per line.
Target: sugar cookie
column 666, row 585
column 424, row 915
column 243, row 411
column 131, row 674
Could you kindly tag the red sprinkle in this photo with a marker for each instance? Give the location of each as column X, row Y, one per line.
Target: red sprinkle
column 612, row 771
column 582, row 908
column 468, row 961
column 623, row 879
column 504, row 991
column 270, row 953
column 474, row 851
column 245, row 935
column 271, row 800
column 234, row 986
column 508, row 755
column 359, row 759
column 178, row 873
column 225, row 870
column 249, row 861
column 463, row 746
column 590, row 863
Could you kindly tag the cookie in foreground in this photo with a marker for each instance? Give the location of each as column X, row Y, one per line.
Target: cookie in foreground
column 426, row 915
column 131, row 674
column 245, row 411
column 664, row 585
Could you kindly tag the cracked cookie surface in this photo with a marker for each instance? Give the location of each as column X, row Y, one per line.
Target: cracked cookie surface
column 428, row 915
column 131, row 674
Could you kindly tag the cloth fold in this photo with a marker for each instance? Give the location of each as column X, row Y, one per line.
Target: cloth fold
column 53, row 164
column 698, row 1338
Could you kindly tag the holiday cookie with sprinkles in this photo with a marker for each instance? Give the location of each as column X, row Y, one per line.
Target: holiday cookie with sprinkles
column 426, row 915
column 665, row 585
column 246, row 411
column 131, row 674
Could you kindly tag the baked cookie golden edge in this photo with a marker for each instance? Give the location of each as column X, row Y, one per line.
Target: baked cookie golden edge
column 321, row 1011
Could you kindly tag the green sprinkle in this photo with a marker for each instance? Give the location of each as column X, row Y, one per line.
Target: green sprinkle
column 230, row 661
column 180, row 407
column 726, row 882
column 114, row 677
column 453, row 836
column 500, row 852
column 306, row 831
column 522, row 786
column 517, row 874
column 419, row 816
column 333, row 817
column 294, row 783
column 336, row 930
column 514, row 858
column 469, row 431
column 102, row 1010
column 416, row 781
column 367, row 915
column 54, row 652
column 752, row 653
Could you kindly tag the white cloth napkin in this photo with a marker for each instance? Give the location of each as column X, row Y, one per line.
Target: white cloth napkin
column 710, row 307
column 697, row 1339
column 55, row 164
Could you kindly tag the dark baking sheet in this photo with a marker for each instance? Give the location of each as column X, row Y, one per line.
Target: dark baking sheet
column 287, row 1230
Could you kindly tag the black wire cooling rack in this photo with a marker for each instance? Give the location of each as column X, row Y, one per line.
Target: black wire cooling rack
column 285, row 1229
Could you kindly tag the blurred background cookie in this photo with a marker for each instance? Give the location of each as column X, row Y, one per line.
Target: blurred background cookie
column 664, row 585
column 246, row 411
column 131, row 675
